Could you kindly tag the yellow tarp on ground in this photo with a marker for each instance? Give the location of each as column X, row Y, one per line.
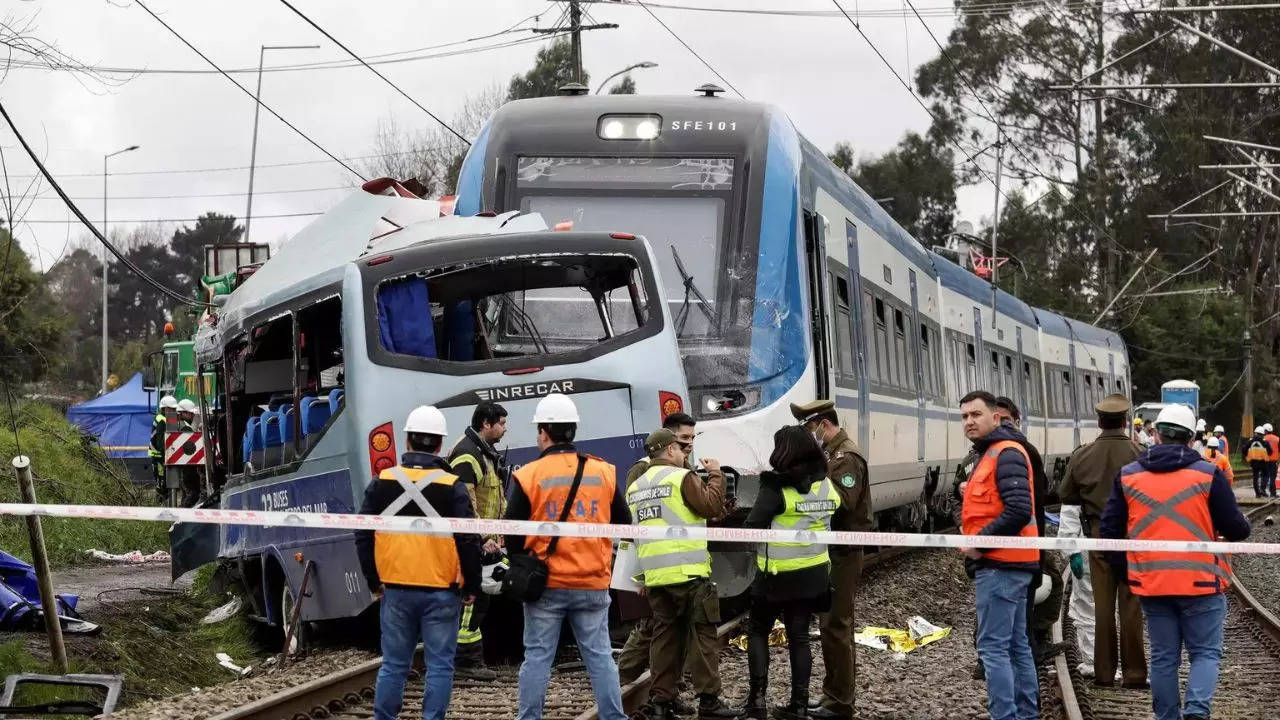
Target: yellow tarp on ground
column 919, row 632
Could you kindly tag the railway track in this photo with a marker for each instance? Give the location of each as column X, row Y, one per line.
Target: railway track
column 1250, row 656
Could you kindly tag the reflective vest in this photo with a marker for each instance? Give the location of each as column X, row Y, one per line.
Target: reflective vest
column 801, row 511
column 1257, row 451
column 413, row 558
column 487, row 495
column 656, row 500
column 1224, row 446
column 579, row 563
column 1172, row 506
column 1219, row 459
column 983, row 504
column 1273, row 447
column 158, row 429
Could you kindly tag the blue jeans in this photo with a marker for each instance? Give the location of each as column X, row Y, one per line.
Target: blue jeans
column 1193, row 621
column 1003, row 646
column 408, row 616
column 588, row 614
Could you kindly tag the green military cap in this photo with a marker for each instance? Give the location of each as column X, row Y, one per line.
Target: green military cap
column 1113, row 404
column 658, row 441
column 810, row 410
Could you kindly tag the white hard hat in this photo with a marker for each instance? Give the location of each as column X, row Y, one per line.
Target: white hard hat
column 1267, row 427
column 1218, row 429
column 1201, row 424
column 426, row 419
column 555, row 408
column 1258, row 430
column 1177, row 415
column 168, row 401
column 1214, row 443
column 186, row 405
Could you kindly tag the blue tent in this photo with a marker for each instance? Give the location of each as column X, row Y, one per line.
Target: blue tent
column 121, row 419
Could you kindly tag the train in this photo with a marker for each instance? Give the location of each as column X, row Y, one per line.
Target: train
column 751, row 274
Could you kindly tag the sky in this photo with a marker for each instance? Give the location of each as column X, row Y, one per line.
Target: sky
column 817, row 68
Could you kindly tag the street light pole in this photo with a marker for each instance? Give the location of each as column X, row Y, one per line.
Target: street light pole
column 645, row 65
column 104, row 261
column 257, row 105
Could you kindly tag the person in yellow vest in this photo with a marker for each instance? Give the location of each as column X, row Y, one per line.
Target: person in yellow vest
column 422, row 580
column 999, row 500
column 1255, row 453
column 578, row 568
column 793, row 581
column 677, row 575
column 1172, row 493
column 479, row 466
column 159, row 427
column 1214, row 454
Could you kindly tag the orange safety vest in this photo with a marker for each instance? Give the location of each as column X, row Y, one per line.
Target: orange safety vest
column 982, row 504
column 1273, row 446
column 1226, row 446
column 1257, row 451
column 578, row 563
column 1172, row 506
column 1220, row 460
column 413, row 558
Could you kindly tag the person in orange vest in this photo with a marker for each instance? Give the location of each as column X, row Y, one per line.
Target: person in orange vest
column 1223, row 446
column 1214, row 454
column 1172, row 493
column 1273, row 457
column 578, row 568
column 999, row 500
column 422, row 580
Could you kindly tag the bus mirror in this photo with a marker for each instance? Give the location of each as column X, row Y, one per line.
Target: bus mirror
column 148, row 378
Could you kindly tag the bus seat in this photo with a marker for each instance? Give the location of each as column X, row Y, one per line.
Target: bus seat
column 315, row 413
column 272, row 438
column 253, row 438
column 250, row 437
column 286, row 431
column 335, row 397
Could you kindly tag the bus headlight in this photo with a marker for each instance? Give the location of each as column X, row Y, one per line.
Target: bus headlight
column 729, row 401
column 629, row 127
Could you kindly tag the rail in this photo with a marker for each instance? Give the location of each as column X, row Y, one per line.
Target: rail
column 1108, row 704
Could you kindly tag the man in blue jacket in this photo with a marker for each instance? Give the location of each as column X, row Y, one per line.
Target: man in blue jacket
column 998, row 501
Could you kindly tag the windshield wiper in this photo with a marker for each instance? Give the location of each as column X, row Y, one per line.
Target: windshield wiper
column 690, row 288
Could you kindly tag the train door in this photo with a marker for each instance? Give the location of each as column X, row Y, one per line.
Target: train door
column 1074, row 393
column 919, row 355
column 1023, row 393
column 859, row 336
column 820, row 319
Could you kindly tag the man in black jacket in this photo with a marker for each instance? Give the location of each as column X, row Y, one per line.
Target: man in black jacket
column 998, row 501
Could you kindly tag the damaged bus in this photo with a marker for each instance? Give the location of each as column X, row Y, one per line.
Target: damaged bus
column 379, row 306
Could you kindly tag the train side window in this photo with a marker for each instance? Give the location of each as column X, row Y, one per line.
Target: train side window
column 901, row 353
column 843, row 327
column 1009, row 385
column 884, row 357
column 995, row 388
column 1029, row 386
column 872, row 360
column 926, row 356
column 971, row 367
column 1067, row 393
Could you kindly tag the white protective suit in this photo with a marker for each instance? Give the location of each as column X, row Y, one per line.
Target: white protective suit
column 1081, row 608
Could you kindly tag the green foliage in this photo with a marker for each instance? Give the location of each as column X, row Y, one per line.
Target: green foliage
column 69, row 470
column 625, row 86
column 915, row 182
column 552, row 68
column 30, row 325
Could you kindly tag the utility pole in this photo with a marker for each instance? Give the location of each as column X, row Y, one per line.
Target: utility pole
column 995, row 228
column 1110, row 266
column 40, row 560
column 1246, row 411
column 575, row 28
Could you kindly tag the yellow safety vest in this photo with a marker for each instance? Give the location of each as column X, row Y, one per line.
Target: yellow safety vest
column 809, row 511
column 152, row 450
column 656, row 500
column 412, row 558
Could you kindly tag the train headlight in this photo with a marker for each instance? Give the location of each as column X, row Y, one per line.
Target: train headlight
column 629, row 127
column 729, row 401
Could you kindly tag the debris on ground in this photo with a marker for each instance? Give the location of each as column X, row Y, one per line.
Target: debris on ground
column 777, row 637
column 223, row 612
column 919, row 632
column 134, row 557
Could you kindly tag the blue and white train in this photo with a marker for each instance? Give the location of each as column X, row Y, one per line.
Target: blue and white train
column 788, row 282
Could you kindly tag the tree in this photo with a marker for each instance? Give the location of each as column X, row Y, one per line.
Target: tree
column 552, row 68
column 625, row 86
column 916, row 181
column 187, row 247
column 30, row 325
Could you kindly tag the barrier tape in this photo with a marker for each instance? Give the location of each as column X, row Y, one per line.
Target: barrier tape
column 449, row 526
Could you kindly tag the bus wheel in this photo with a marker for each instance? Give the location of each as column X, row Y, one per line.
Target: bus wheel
column 301, row 638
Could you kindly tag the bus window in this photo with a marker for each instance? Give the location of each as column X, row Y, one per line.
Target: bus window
column 500, row 308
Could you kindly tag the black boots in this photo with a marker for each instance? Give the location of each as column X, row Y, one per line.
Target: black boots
column 797, row 709
column 756, row 709
column 710, row 706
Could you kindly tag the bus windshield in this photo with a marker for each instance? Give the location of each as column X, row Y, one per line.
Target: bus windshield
column 682, row 206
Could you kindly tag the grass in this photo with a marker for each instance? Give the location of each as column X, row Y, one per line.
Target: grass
column 69, row 470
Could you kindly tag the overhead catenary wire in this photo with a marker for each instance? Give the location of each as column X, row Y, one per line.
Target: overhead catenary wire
column 176, row 220
column 686, row 45
column 230, row 168
column 124, row 260
column 1005, row 7
column 246, row 91
column 371, row 69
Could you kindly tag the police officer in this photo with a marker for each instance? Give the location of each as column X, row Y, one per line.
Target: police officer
column 847, row 471
column 1087, row 482
column 160, row 426
column 578, row 568
column 677, row 575
column 1171, row 493
column 483, row 471
column 416, row 575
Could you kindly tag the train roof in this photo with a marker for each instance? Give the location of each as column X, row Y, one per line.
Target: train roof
column 958, row 279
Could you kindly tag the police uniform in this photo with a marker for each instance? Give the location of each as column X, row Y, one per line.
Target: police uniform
column 677, row 575
column 847, row 471
column 159, row 426
column 1088, row 481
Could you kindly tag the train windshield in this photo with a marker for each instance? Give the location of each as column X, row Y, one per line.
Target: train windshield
column 683, row 207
